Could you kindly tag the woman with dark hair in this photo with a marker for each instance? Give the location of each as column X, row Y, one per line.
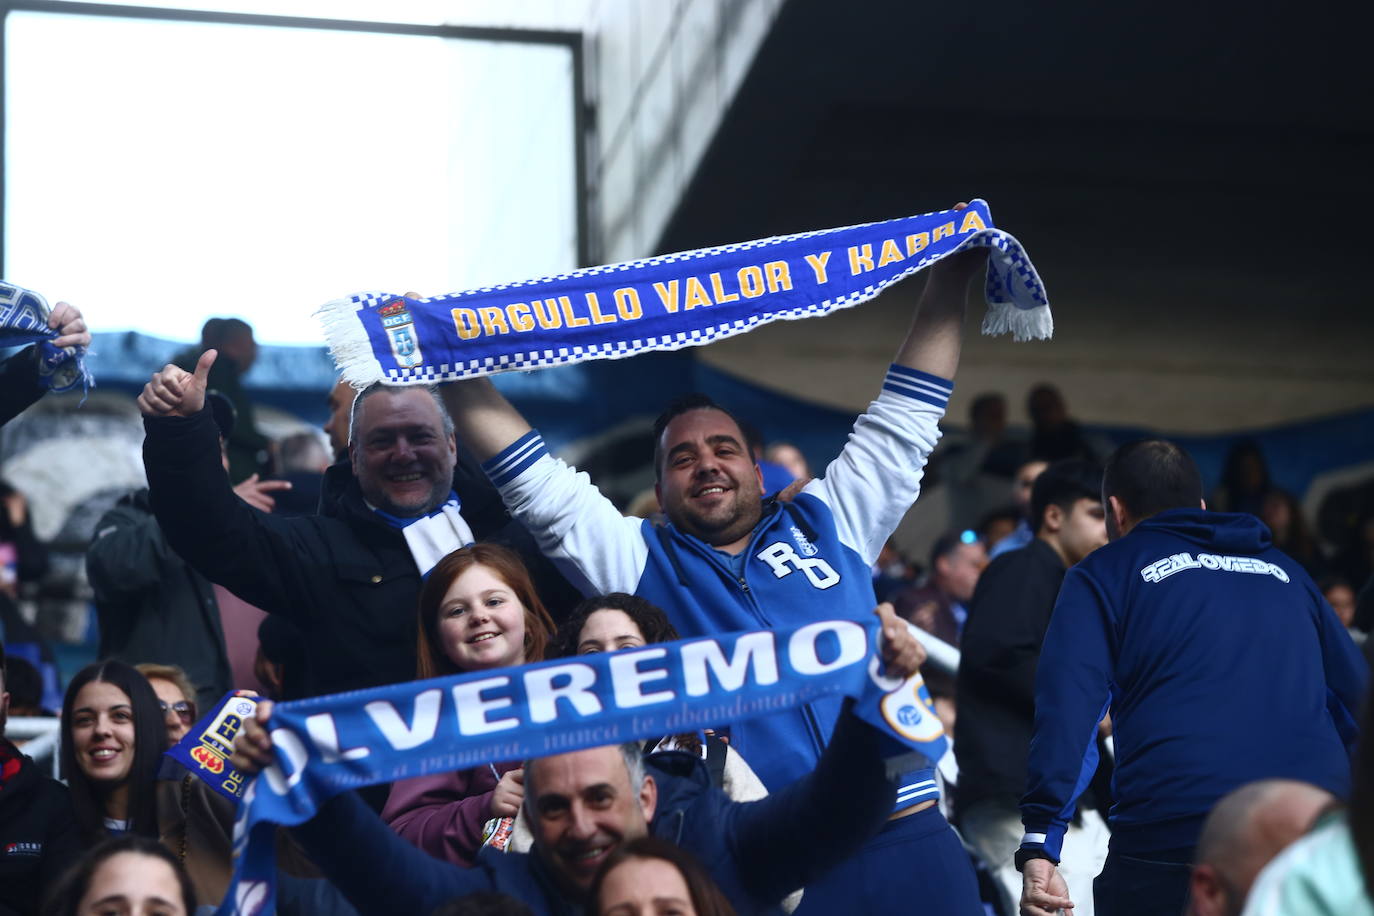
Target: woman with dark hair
column 125, row 874
column 478, row 610
column 113, row 736
column 652, row 877
column 112, row 741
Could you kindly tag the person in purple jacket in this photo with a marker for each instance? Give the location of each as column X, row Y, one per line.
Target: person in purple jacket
column 478, row 610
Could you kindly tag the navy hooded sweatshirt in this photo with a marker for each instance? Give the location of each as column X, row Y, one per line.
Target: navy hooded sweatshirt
column 1221, row 664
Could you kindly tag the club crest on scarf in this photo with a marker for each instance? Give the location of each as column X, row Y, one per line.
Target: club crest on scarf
column 400, row 331
column 206, row 748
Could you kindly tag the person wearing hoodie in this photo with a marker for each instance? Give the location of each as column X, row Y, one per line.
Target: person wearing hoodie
column 1221, row 665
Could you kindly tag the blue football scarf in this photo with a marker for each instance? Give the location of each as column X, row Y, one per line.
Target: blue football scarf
column 24, row 320
column 672, row 301
column 328, row 745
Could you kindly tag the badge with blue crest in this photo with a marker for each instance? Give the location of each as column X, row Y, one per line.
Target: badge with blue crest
column 400, row 331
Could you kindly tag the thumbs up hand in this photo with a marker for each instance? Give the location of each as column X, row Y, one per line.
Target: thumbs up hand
column 174, row 392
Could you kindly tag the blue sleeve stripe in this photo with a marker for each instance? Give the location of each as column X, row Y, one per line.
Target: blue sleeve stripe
column 916, row 786
column 916, row 375
column 1089, row 767
column 922, row 784
column 516, row 457
column 915, row 798
column 916, row 394
column 920, row 386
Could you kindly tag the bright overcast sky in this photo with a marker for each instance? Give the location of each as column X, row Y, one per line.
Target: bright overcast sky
column 158, row 173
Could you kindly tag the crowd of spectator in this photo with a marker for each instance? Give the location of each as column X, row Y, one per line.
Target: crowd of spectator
column 1196, row 715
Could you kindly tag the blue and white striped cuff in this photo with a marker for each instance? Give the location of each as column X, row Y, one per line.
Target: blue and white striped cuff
column 1051, row 840
column 515, row 458
column 916, row 792
column 922, row 386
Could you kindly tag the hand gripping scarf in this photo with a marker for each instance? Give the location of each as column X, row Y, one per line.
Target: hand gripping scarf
column 24, row 320
column 672, row 301
column 327, row 745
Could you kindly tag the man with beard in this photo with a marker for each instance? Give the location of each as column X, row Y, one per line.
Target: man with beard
column 727, row 561
column 349, row 576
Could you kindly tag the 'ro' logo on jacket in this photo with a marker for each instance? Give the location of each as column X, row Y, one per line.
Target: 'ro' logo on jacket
column 782, row 559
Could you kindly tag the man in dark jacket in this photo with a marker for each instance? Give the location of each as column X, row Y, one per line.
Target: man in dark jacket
column 350, row 576
column 1007, row 620
column 38, row 834
column 21, row 379
column 1221, row 664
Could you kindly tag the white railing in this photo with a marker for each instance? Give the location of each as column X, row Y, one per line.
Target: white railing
column 38, row 738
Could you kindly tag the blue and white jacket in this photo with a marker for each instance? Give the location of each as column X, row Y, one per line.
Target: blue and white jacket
column 1221, row 664
column 808, row 560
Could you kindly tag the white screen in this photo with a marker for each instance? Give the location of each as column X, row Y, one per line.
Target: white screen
column 160, row 172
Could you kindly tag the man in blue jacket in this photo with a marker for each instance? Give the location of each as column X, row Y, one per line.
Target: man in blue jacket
column 729, row 560
column 1220, row 662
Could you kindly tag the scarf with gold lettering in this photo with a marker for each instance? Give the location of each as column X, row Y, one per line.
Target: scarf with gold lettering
column 672, row 301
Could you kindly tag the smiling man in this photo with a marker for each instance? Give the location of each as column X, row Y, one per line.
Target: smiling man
column 728, row 560
column 349, row 576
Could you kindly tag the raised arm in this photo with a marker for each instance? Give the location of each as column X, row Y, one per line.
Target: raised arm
column 933, row 343
column 485, row 421
column 255, row 556
column 580, row 530
column 877, row 476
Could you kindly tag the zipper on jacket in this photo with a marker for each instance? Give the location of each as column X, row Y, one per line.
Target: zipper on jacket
column 809, row 716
